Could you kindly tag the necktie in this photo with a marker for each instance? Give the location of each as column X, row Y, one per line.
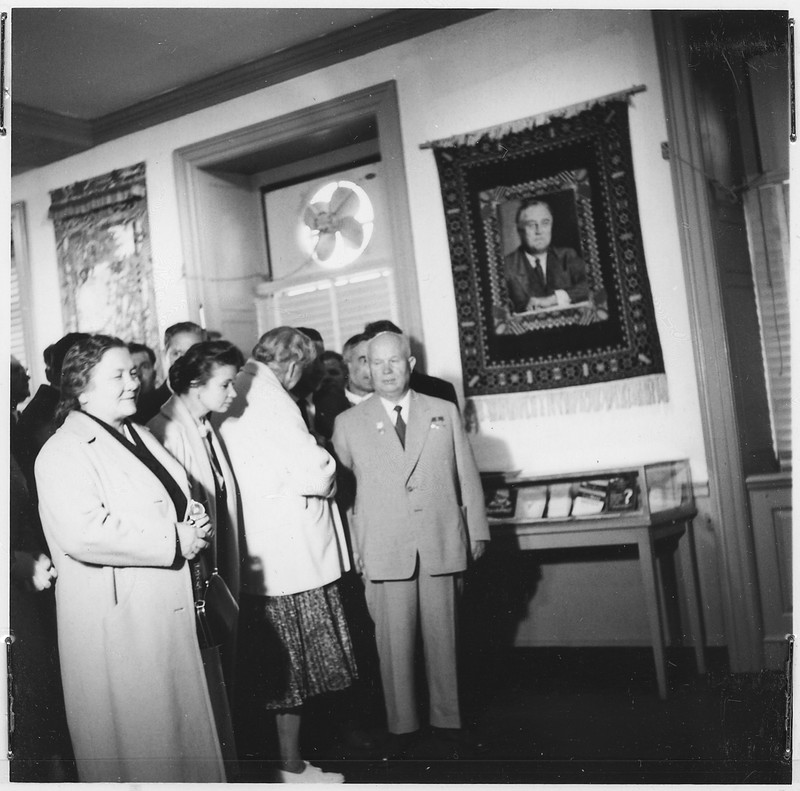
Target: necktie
column 539, row 269
column 400, row 425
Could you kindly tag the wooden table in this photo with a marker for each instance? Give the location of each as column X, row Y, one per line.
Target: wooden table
column 645, row 531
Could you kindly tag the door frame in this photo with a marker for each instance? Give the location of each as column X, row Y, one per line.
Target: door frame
column 728, row 492
column 379, row 102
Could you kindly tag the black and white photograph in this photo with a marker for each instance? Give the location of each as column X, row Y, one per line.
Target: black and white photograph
column 399, row 395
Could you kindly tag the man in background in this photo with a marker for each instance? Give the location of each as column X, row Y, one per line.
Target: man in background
column 37, row 422
column 178, row 339
column 359, row 381
column 144, row 358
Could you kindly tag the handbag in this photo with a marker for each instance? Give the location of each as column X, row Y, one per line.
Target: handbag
column 216, row 609
column 216, row 612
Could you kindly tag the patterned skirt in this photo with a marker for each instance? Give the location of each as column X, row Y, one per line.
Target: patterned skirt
column 294, row 647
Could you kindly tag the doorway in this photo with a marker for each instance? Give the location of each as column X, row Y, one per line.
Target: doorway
column 221, row 181
column 727, row 161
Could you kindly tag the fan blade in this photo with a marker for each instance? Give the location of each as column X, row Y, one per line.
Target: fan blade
column 310, row 217
column 326, row 245
column 344, row 202
column 352, row 232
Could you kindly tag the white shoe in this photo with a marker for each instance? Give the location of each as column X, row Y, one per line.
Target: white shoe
column 311, row 774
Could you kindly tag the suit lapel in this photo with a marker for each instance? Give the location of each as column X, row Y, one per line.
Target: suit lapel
column 419, row 420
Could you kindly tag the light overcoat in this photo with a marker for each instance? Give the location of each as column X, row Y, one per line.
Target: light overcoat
column 427, row 499
column 179, row 433
column 137, row 703
column 292, row 527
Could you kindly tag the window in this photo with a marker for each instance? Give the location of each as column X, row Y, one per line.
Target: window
column 330, row 255
column 767, row 214
column 18, row 287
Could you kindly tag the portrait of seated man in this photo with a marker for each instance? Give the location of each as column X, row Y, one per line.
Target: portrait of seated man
column 539, row 275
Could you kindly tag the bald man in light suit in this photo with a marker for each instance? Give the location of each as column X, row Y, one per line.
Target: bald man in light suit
column 417, row 519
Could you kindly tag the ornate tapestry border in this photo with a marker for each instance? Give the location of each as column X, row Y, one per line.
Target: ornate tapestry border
column 581, row 159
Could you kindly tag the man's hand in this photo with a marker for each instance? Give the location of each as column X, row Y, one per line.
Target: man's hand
column 477, row 548
column 536, row 303
column 358, row 565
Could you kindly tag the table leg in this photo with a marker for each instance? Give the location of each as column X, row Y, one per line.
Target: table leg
column 691, row 583
column 647, row 562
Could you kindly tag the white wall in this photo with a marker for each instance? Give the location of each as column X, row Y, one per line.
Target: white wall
column 506, row 65
column 499, row 67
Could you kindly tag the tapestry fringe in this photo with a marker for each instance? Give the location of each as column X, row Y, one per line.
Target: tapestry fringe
column 521, row 124
column 601, row 397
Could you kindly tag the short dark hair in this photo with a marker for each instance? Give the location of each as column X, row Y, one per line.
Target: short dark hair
column 134, row 347
column 182, row 326
column 79, row 362
column 58, row 351
column 310, row 332
column 198, row 364
column 283, row 345
column 527, row 203
column 376, row 327
column 331, row 355
column 351, row 343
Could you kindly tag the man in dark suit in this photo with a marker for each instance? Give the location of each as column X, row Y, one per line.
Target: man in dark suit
column 420, row 382
column 417, row 519
column 37, row 423
column 539, row 275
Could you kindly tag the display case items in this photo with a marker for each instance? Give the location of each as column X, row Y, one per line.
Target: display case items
column 500, row 498
column 651, row 488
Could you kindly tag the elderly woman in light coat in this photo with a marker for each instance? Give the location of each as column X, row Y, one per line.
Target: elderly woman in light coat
column 292, row 624
column 113, row 504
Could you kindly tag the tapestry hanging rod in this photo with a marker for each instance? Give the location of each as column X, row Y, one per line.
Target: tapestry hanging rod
column 501, row 130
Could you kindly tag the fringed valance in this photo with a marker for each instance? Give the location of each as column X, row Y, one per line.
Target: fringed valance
column 111, row 189
column 523, row 124
column 601, row 397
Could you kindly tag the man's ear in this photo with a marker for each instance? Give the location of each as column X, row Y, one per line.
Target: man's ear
column 412, row 361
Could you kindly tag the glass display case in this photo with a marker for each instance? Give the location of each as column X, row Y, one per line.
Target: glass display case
column 638, row 505
column 652, row 493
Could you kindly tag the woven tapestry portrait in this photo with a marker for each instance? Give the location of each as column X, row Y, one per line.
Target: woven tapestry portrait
column 104, row 259
column 545, row 245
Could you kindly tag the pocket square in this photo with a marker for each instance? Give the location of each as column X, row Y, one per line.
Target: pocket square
column 437, row 422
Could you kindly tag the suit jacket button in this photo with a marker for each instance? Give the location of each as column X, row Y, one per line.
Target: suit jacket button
column 409, row 488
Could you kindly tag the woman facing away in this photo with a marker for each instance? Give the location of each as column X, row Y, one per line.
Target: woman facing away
column 293, row 635
column 114, row 509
